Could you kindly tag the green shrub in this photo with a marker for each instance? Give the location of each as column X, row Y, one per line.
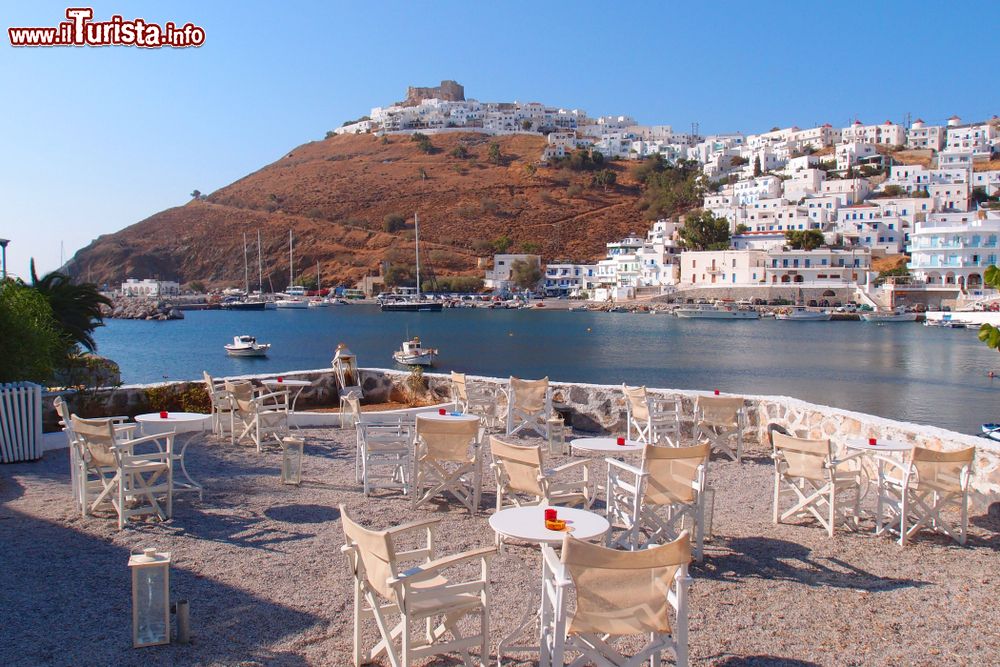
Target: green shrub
column 31, row 344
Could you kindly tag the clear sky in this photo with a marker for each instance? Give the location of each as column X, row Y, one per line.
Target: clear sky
column 96, row 139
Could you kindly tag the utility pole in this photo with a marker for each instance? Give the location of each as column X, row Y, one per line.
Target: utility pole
column 3, row 246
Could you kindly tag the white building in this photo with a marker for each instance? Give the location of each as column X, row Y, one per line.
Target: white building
column 925, row 136
column 977, row 139
column 566, row 279
column 955, row 249
column 752, row 190
column 707, row 268
column 886, row 134
column 150, row 287
column 852, row 153
column 822, row 266
column 499, row 278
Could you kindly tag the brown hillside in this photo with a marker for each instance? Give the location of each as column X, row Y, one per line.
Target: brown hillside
column 334, row 195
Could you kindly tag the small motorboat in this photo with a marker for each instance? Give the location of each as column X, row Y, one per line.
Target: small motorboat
column 991, row 431
column 318, row 303
column 247, row 346
column 898, row 315
column 803, row 314
column 414, row 354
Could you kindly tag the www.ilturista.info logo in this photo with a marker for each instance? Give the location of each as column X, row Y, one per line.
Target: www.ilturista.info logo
column 80, row 30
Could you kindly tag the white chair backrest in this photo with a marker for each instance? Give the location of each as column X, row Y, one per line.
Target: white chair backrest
column 720, row 410
column 522, row 465
column 623, row 592
column 943, row 470
column 447, row 440
column 529, row 395
column 672, row 472
column 96, row 437
column 805, row 458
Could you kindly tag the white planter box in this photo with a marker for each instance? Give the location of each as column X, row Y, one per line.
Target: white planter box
column 20, row 422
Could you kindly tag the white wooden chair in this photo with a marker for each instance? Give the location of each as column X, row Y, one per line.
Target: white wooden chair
column 222, row 404
column 651, row 419
column 529, row 406
column 809, row 472
column 386, row 583
column 655, row 502
column 386, row 454
column 618, row 594
column 350, row 407
column 260, row 416
column 721, row 420
column 474, row 398
column 448, row 459
column 914, row 495
column 114, row 473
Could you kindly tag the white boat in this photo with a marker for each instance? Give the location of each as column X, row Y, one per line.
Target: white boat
column 708, row 311
column 318, row 303
column 247, row 346
column 803, row 314
column 415, row 304
column 991, row 431
column 893, row 316
column 291, row 302
column 414, row 354
column 294, row 296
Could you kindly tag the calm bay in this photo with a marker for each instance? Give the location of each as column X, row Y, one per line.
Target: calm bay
column 899, row 371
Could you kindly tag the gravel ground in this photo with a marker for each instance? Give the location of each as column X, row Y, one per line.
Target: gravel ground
column 261, row 566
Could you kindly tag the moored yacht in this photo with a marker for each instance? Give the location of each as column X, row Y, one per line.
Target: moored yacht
column 898, row 315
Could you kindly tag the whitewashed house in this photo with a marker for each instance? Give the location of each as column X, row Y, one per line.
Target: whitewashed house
column 721, row 268
column 499, row 278
column 954, row 249
column 150, row 287
column 819, row 267
column 922, row 136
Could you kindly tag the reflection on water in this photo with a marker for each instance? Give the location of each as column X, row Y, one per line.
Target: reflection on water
column 901, row 371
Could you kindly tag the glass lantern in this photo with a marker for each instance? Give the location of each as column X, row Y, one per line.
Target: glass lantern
column 557, row 434
column 345, row 366
column 150, row 598
column 291, row 460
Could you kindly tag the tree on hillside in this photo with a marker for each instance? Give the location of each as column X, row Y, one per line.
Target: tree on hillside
column 460, row 152
column 756, row 167
column 525, row 275
column 393, row 222
column 493, row 153
column 525, row 124
column 423, row 142
column 529, row 247
column 502, row 243
column 196, row 194
column 804, row 239
column 604, row 178
column 738, row 161
column 703, row 231
column 669, row 189
column 742, row 229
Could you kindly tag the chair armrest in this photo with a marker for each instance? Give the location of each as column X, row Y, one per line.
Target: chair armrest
column 569, row 466
column 413, row 525
column 119, row 419
column 274, row 394
column 624, row 466
column 893, row 463
column 552, row 563
column 169, row 435
column 432, row 568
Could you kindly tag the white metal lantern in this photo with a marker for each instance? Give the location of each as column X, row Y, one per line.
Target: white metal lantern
column 291, row 460
column 345, row 365
column 557, row 434
column 150, row 598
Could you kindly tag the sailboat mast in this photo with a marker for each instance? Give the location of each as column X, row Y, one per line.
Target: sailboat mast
column 246, row 270
column 260, row 266
column 291, row 259
column 416, row 244
column 319, row 281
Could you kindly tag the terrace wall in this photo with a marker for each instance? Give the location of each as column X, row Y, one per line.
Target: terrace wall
column 588, row 408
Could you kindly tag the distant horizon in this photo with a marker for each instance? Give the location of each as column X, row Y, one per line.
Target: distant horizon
column 99, row 139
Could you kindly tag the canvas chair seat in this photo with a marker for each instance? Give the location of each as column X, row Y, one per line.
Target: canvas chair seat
column 650, row 419
column 448, row 460
column 720, row 421
column 916, row 494
column 421, row 593
column 115, row 474
column 385, row 454
column 618, row 594
column 529, row 406
column 660, row 499
column 808, row 472
column 261, row 416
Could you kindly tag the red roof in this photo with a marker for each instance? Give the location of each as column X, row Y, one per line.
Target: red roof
column 857, row 122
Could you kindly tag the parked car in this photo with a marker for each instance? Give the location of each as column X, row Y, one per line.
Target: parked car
column 847, row 308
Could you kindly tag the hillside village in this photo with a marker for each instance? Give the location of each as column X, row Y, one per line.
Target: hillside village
column 870, row 190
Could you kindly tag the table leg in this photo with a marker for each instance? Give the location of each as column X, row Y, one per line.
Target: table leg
column 190, row 484
column 295, row 399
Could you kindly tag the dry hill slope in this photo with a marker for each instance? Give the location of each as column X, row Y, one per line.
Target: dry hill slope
column 334, row 195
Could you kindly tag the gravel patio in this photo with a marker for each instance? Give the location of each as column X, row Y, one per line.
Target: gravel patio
column 260, row 563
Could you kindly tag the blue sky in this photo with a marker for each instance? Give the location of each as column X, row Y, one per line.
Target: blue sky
column 96, row 139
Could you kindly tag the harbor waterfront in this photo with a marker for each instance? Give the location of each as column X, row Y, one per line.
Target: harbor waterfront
column 906, row 372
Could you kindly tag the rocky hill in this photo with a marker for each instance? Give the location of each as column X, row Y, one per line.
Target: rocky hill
column 335, row 196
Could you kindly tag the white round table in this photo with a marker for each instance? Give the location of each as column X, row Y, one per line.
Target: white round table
column 607, row 445
column 528, row 524
column 861, row 444
column 189, row 423
column 447, row 417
